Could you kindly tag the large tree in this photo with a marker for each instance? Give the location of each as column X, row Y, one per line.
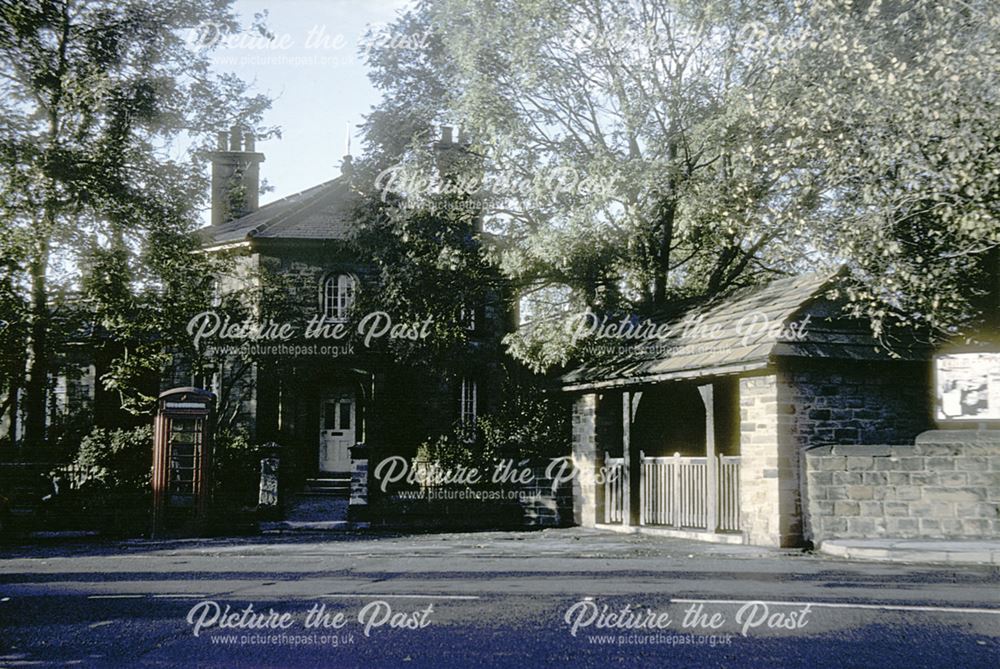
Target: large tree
column 609, row 148
column 894, row 109
column 95, row 96
column 640, row 152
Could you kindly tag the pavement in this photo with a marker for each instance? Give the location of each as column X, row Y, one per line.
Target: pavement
column 925, row 551
column 904, row 551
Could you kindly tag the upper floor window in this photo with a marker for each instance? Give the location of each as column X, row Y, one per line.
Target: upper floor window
column 215, row 286
column 338, row 296
column 467, row 318
column 467, row 403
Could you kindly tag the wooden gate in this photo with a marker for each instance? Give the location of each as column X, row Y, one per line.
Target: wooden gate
column 674, row 492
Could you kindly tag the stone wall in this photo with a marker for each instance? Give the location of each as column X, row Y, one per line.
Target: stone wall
column 533, row 504
column 769, row 464
column 838, row 402
column 544, row 504
column 809, row 403
column 584, row 458
column 946, row 485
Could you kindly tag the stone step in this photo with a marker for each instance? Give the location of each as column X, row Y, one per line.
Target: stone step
column 336, row 486
column 317, row 508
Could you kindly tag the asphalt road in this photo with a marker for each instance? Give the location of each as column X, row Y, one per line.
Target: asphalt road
column 557, row 598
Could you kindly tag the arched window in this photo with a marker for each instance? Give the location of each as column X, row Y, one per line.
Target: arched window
column 338, row 296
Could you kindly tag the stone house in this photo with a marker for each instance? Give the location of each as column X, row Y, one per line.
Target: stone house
column 701, row 431
column 319, row 397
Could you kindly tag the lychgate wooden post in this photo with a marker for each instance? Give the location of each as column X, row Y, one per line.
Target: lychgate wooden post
column 632, row 463
column 601, row 458
column 626, row 460
column 711, row 462
column 675, row 490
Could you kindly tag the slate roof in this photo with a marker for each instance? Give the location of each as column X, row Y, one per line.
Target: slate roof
column 322, row 212
column 735, row 333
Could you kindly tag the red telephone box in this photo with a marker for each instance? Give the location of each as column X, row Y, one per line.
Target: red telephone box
column 182, row 457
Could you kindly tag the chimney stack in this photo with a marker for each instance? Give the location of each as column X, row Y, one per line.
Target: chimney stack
column 448, row 153
column 456, row 162
column 235, row 175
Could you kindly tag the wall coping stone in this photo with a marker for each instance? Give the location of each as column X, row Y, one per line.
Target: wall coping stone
column 958, row 436
column 927, row 448
column 860, row 449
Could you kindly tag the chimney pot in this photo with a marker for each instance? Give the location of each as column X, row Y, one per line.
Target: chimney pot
column 234, row 138
column 446, row 134
column 222, row 143
column 249, row 142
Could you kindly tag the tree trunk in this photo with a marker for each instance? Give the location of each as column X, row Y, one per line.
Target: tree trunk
column 664, row 240
column 36, row 388
column 991, row 298
column 666, row 212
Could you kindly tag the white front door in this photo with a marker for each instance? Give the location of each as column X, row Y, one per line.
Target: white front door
column 338, row 422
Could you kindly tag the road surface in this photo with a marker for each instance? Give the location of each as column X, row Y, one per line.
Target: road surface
column 559, row 598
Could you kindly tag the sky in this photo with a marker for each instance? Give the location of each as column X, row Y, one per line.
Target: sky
column 317, row 79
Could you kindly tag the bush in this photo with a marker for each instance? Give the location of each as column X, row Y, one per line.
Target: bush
column 67, row 431
column 526, row 425
column 236, row 467
column 118, row 460
column 115, row 483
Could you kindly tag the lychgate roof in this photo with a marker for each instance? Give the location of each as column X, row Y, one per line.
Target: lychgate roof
column 745, row 330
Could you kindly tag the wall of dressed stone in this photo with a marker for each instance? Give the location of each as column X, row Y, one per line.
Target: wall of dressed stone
column 584, row 458
column 769, row 473
column 946, row 485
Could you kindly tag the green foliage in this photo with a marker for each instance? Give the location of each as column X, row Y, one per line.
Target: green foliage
column 633, row 155
column 236, row 462
column 454, row 450
column 527, row 424
column 428, row 262
column 67, row 431
column 95, row 96
column 118, row 460
column 605, row 141
column 895, row 129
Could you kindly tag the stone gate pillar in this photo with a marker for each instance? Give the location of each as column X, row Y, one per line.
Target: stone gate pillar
column 585, row 460
column 357, row 507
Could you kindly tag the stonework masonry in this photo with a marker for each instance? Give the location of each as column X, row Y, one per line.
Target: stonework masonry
column 834, row 403
column 805, row 404
column 768, row 465
column 785, row 409
column 855, row 403
column 584, row 458
column 545, row 504
column 945, row 486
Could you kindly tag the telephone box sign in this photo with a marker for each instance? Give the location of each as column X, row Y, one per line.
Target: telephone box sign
column 182, row 456
column 967, row 386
